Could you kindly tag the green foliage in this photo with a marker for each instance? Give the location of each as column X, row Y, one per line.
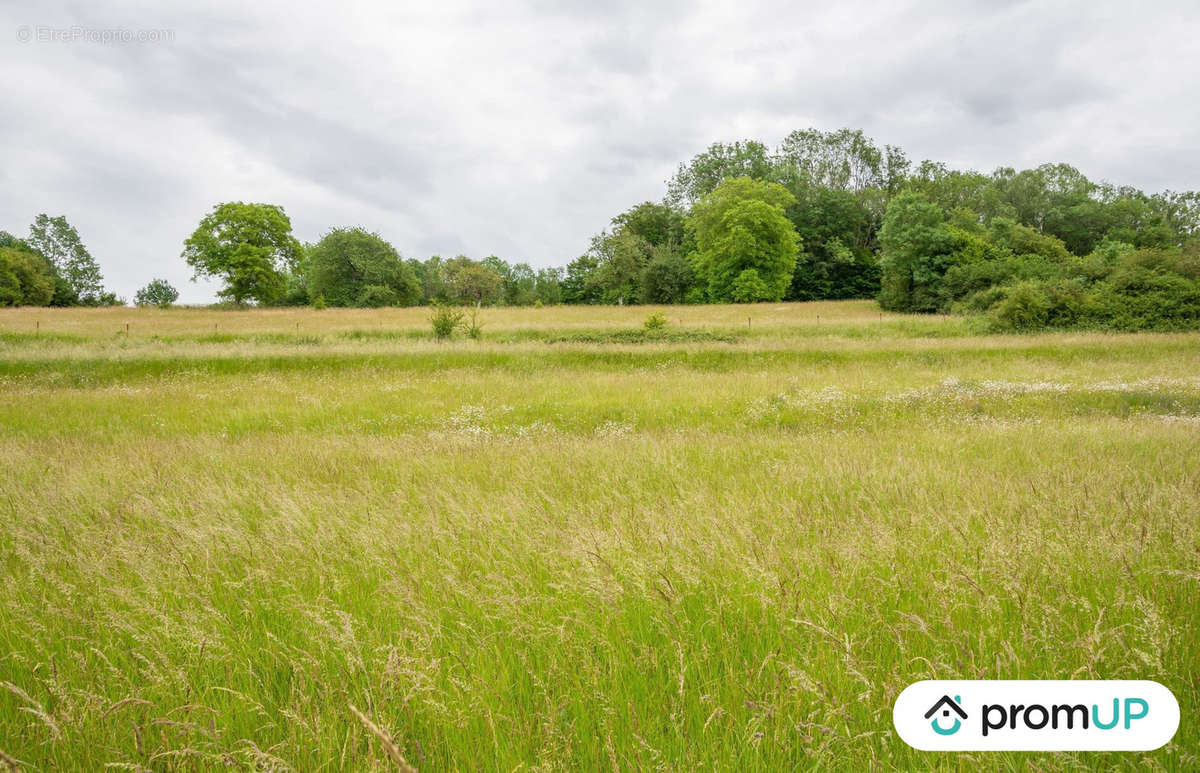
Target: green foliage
column 655, row 321
column 354, row 267
column 748, row 287
column 473, row 282
column 248, row 246
column 58, row 242
column 548, row 287
column 623, row 257
column 1024, row 307
column 667, row 277
column 834, row 271
column 916, row 244
column 656, row 224
column 640, row 261
column 25, row 278
column 741, row 225
column 376, row 297
column 842, row 160
column 1141, row 290
column 1147, row 290
column 581, row 283
column 1023, row 240
column 157, row 292
column 520, row 285
column 704, row 173
column 837, row 228
column 445, row 320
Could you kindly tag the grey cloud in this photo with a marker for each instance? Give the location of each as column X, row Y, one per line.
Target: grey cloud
column 521, row 128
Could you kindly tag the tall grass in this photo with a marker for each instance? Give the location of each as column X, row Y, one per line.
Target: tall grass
column 364, row 552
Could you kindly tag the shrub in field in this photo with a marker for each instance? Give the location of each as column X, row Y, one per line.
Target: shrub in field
column 444, row 320
column 655, row 321
column 157, row 292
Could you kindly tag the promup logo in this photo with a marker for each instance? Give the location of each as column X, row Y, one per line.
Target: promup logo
column 948, row 704
column 1036, row 715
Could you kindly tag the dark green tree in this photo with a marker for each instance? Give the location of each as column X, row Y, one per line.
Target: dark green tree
column 667, row 278
column 25, row 278
column 347, row 262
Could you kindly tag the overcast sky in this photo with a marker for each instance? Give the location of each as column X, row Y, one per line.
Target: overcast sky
column 520, row 128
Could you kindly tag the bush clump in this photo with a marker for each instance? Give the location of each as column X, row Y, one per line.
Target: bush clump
column 445, row 320
column 656, row 321
column 1025, row 307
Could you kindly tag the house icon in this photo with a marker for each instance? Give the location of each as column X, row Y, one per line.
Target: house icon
column 945, row 706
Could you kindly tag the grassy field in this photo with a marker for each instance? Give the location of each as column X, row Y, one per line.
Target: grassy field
column 302, row 540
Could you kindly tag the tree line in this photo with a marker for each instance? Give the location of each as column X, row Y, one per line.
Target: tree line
column 824, row 215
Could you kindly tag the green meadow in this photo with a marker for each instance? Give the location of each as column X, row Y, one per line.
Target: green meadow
column 322, row 540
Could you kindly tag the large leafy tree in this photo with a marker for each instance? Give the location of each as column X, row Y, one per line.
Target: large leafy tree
column 741, row 226
column 59, row 242
column 354, row 267
column 248, row 246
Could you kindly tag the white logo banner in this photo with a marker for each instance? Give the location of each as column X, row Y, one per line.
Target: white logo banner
column 1109, row 715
